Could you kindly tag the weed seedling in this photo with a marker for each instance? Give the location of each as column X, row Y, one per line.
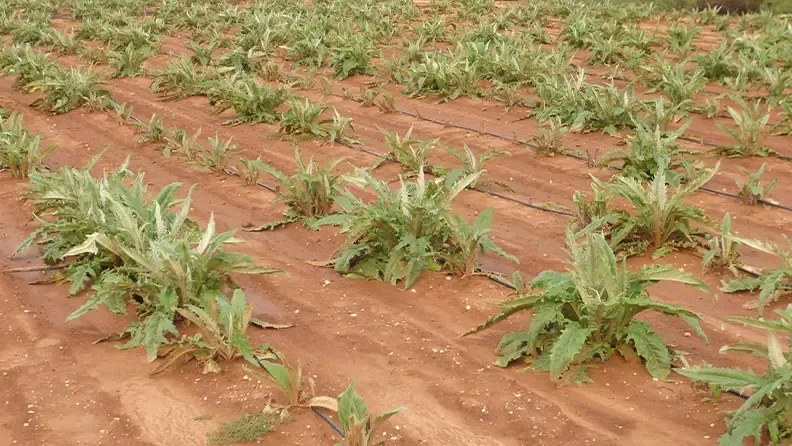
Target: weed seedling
column 152, row 132
column 772, row 283
column 308, row 194
column 550, row 140
column 249, row 427
column 751, row 122
column 723, row 250
column 127, row 61
column 411, row 153
column 123, row 113
column 217, row 156
column 752, row 191
column 359, row 426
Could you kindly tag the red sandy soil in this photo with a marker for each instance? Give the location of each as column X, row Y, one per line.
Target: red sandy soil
column 402, row 347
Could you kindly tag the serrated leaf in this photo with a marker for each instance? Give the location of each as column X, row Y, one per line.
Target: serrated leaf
column 151, row 334
column 725, row 378
column 515, row 345
column 568, row 344
column 743, row 284
column 694, row 322
column 662, row 252
column 747, row 424
column 650, row 347
column 512, row 306
column 746, row 347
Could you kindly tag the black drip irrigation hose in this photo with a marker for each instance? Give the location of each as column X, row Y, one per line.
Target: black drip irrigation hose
column 481, row 132
column 495, row 277
column 361, row 149
column 700, row 141
column 327, row 420
column 762, row 200
column 477, row 189
column 712, row 93
column 234, row 172
column 635, row 76
column 506, row 138
column 532, row 107
column 523, row 203
column 229, row 170
column 748, row 271
column 570, row 155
